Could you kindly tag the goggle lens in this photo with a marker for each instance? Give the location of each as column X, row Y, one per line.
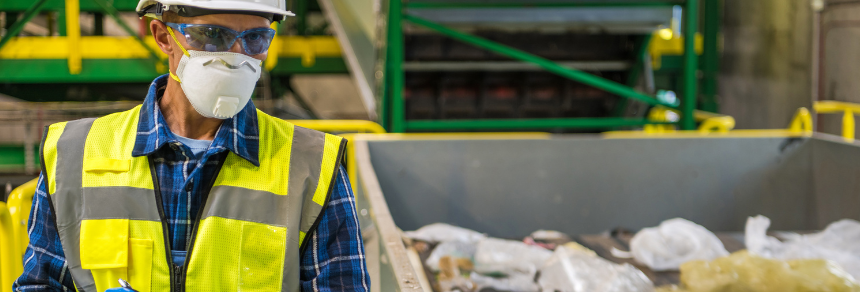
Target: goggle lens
column 213, row 38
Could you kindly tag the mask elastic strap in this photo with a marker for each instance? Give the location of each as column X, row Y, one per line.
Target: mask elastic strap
column 172, row 35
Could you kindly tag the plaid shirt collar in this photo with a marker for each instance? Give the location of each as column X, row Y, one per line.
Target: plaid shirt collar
column 239, row 134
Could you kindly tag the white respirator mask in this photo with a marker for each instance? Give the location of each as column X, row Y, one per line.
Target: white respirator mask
column 218, row 84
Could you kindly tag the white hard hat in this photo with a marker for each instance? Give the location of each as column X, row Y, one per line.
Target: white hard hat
column 273, row 9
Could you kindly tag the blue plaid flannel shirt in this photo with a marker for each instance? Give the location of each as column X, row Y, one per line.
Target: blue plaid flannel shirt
column 334, row 262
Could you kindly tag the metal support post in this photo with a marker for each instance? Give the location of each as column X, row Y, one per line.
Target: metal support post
column 73, row 30
column 61, row 23
column 301, row 11
column 688, row 105
column 98, row 24
column 573, row 74
column 395, row 66
column 18, row 26
column 711, row 55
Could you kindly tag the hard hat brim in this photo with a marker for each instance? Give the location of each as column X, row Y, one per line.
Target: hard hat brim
column 221, row 5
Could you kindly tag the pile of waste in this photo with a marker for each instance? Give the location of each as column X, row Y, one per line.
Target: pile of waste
column 464, row 260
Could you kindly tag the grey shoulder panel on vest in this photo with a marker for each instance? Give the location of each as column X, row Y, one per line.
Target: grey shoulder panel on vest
column 68, row 198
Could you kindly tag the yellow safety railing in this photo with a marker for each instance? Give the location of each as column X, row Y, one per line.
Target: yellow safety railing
column 709, row 122
column 13, row 232
column 714, row 125
column 11, row 260
column 848, row 111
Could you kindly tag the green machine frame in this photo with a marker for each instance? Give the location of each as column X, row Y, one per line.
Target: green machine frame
column 392, row 106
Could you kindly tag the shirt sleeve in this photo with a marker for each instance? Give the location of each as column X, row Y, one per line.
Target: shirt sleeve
column 45, row 266
column 335, row 259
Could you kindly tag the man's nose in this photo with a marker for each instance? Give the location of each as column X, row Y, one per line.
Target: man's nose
column 237, row 47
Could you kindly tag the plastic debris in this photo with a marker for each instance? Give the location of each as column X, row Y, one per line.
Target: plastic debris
column 742, row 271
column 518, row 283
column 498, row 257
column 576, row 270
column 441, row 232
column 549, row 239
column 674, row 242
column 451, row 278
column 454, row 249
column 837, row 243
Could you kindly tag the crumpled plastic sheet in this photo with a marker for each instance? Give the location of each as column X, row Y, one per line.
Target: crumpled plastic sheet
column 518, row 283
column 572, row 270
column 839, row 242
column 674, row 242
column 456, row 249
column 501, row 257
column 441, row 232
column 745, row 272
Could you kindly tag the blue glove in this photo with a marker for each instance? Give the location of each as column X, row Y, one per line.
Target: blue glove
column 125, row 287
column 120, row 289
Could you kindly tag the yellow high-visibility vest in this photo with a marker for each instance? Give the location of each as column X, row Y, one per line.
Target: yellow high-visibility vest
column 250, row 231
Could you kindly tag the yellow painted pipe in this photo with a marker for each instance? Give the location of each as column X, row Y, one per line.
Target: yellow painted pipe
column 19, row 203
column 73, row 33
column 11, row 259
column 349, row 126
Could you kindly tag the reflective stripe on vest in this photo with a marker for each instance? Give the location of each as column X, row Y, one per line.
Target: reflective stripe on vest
column 251, row 228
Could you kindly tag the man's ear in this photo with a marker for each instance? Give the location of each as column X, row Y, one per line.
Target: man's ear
column 162, row 37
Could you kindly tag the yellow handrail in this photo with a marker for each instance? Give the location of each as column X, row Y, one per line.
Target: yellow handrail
column 350, row 126
column 801, row 126
column 848, row 111
column 19, row 202
column 709, row 122
column 11, row 259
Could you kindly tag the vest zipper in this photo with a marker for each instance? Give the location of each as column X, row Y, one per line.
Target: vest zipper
column 178, row 285
column 174, row 275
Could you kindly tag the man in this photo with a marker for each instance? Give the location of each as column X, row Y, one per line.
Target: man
column 195, row 190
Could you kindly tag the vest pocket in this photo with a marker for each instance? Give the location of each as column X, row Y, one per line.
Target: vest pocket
column 104, row 251
column 261, row 261
column 140, row 264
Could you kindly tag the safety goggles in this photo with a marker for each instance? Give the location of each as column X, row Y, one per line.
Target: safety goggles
column 213, row 38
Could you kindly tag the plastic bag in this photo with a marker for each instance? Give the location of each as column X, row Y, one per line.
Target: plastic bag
column 745, row 272
column 837, row 243
column 518, row 283
column 507, row 257
column 673, row 243
column 455, row 249
column 441, row 232
column 572, row 270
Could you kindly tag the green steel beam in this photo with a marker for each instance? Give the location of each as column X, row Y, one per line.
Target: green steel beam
column 19, row 25
column 13, row 157
column 60, row 5
column 573, row 74
column 559, row 4
column 691, row 66
column 710, row 55
column 523, row 124
column 395, row 66
column 130, row 70
column 301, row 11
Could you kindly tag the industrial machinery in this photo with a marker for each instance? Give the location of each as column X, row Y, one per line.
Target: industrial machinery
column 539, row 65
column 499, row 186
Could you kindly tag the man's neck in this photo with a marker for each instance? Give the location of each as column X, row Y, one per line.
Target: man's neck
column 182, row 118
